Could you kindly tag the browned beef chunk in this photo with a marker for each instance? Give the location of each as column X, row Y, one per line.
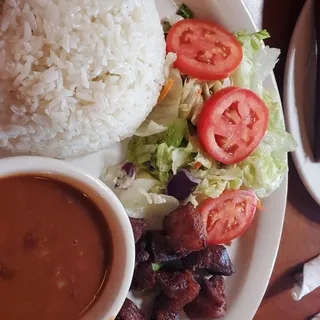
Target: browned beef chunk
column 130, row 311
column 139, row 227
column 143, row 277
column 214, row 259
column 185, row 230
column 159, row 248
column 214, row 289
column 141, row 253
column 210, row 303
column 180, row 287
column 161, row 309
column 200, row 308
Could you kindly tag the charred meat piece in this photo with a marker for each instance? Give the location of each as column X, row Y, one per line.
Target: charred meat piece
column 200, row 308
column 214, row 289
column 161, row 309
column 159, row 248
column 130, row 311
column 139, row 227
column 144, row 277
column 141, row 253
column 211, row 302
column 214, row 259
column 185, row 230
column 180, row 287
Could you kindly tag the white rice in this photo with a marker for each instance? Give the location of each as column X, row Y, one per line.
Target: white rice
column 77, row 75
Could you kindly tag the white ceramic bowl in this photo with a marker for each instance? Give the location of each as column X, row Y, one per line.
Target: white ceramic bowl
column 114, row 292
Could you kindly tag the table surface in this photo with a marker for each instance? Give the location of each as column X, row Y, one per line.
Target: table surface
column 301, row 231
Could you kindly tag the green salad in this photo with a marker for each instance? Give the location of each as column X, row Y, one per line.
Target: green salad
column 168, row 145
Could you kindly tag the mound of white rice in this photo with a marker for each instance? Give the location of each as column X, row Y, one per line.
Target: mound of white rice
column 77, row 75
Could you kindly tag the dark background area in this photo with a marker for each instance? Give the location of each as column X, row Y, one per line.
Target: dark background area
column 301, row 234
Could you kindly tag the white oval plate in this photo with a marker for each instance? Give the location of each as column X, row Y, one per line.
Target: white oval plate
column 254, row 253
column 299, row 98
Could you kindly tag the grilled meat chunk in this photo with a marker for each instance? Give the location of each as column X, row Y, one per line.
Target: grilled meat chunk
column 159, row 248
column 214, row 259
column 139, row 227
column 143, row 277
column 130, row 311
column 200, row 308
column 214, row 289
column 210, row 303
column 161, row 309
column 185, row 230
column 141, row 253
column 180, row 287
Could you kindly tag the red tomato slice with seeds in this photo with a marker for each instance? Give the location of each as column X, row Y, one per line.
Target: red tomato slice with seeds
column 204, row 49
column 231, row 124
column 228, row 216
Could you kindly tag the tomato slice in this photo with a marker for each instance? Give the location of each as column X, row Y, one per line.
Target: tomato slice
column 228, row 216
column 204, row 49
column 231, row 124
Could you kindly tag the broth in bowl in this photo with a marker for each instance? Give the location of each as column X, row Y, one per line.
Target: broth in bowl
column 55, row 250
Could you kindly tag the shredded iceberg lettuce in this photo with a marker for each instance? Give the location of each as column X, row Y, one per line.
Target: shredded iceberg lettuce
column 254, row 38
column 264, row 169
column 165, row 112
column 141, row 200
column 257, row 63
column 163, row 153
column 194, row 94
column 149, row 128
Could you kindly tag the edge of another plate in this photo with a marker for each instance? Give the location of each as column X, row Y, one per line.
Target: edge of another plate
column 299, row 73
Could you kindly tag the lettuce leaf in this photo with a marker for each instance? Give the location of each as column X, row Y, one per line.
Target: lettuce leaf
column 163, row 153
column 165, row 112
column 156, row 267
column 264, row 170
column 258, row 62
column 180, row 158
column 254, row 38
column 140, row 200
column 185, row 12
column 149, row 128
column 194, row 94
column 163, row 162
column 176, row 133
